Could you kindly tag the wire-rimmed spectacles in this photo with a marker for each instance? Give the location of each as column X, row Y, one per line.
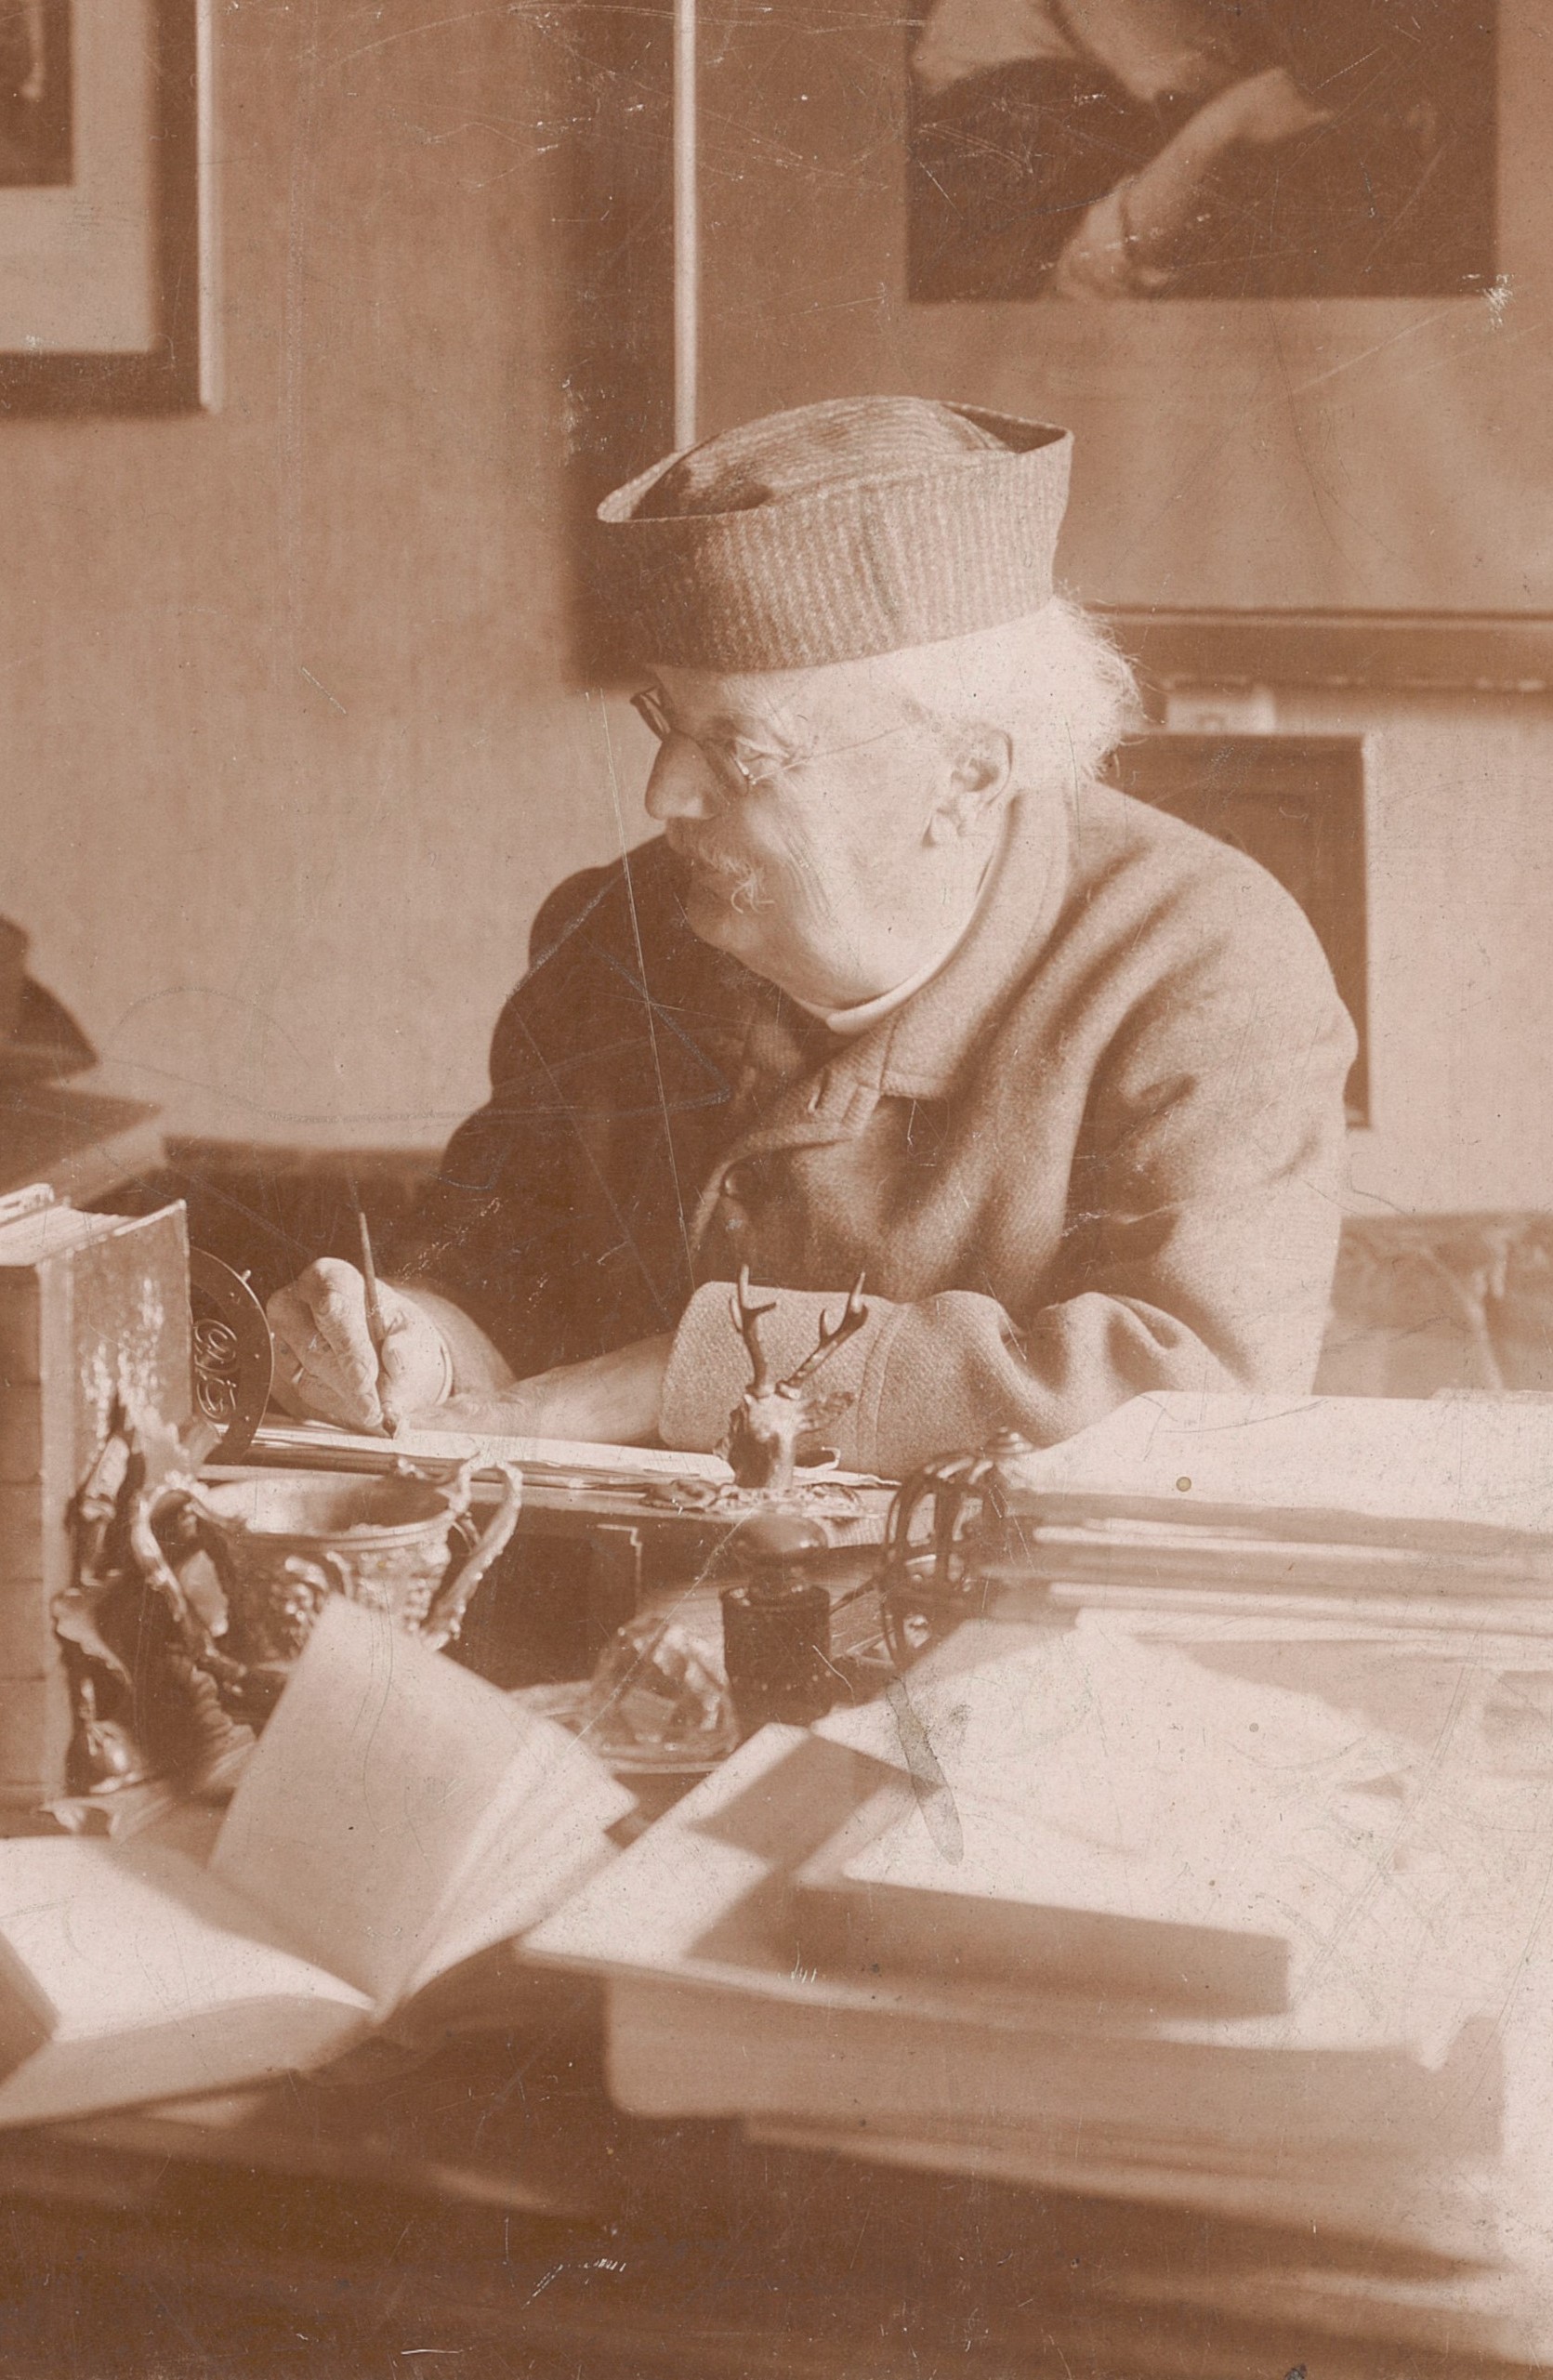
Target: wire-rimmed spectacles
column 735, row 775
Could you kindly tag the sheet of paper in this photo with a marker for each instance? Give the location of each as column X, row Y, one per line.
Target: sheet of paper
column 1406, row 1881
column 549, row 1453
column 305, row 1440
column 369, row 1787
column 121, row 1936
column 1446, row 1458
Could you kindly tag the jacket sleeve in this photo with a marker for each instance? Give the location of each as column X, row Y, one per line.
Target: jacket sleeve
column 496, row 1231
column 1198, row 1253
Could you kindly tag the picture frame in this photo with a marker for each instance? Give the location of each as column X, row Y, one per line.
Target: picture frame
column 1322, row 491
column 107, row 245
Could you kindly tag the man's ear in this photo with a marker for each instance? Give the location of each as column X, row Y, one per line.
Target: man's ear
column 980, row 780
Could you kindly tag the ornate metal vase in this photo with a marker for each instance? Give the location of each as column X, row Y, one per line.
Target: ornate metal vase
column 281, row 1542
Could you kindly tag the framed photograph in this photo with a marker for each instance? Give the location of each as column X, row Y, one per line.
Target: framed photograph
column 1319, row 149
column 105, row 198
column 1285, row 270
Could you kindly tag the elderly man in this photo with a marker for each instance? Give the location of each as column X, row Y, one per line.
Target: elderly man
column 900, row 987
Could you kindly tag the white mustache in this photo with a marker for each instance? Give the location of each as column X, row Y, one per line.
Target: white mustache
column 740, row 881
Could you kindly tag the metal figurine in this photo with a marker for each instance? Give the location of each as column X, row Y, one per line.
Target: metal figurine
column 773, row 1416
column 141, row 1702
column 946, row 1520
column 281, row 1546
column 233, row 1358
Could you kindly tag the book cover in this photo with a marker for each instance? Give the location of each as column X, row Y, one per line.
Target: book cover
column 94, row 1329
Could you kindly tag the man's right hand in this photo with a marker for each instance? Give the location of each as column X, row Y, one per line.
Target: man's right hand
column 326, row 1367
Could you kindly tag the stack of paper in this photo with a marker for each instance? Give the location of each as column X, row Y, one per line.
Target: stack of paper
column 1079, row 1911
column 1387, row 1512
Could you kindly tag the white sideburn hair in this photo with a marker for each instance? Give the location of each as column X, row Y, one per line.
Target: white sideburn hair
column 1053, row 681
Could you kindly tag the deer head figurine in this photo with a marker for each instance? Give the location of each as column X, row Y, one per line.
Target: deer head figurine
column 773, row 1415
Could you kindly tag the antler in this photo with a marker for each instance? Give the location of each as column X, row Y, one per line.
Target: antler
column 852, row 1318
column 746, row 1322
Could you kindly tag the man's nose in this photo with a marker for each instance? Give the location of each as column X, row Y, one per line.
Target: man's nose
column 683, row 783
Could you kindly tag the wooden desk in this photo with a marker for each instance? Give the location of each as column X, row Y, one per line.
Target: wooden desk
column 588, row 1555
column 82, row 1137
column 483, row 2208
column 481, row 2204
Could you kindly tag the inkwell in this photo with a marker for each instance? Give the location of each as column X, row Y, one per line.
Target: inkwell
column 776, row 1617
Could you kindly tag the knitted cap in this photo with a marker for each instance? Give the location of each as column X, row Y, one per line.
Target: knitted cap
column 862, row 525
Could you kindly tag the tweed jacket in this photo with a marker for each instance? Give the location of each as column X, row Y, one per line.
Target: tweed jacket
column 1102, row 1151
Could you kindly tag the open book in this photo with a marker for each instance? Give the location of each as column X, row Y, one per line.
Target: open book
column 398, row 1816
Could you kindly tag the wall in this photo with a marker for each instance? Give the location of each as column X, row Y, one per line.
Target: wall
column 1461, row 985
column 289, row 750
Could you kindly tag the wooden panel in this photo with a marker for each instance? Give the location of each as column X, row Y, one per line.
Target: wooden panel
column 21, row 1535
column 34, row 1738
column 28, row 1645
column 1295, row 803
column 19, row 1329
column 1492, row 652
column 21, row 1432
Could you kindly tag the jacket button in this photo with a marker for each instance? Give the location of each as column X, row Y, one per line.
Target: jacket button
column 740, row 1182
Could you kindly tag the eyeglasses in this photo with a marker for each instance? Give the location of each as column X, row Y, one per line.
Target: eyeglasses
column 735, row 775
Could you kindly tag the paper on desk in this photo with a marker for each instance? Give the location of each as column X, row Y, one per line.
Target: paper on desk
column 1406, row 1881
column 304, row 1439
column 1413, row 1461
column 460, row 1446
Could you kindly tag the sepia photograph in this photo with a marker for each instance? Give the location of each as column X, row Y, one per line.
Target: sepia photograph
column 1194, row 148
column 106, row 206
column 35, row 122
column 776, row 1191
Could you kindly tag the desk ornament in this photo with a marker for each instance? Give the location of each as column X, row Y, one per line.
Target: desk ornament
column 281, row 1543
column 950, row 1518
column 773, row 1417
column 776, row 1625
column 776, row 1618
column 145, row 1714
column 772, row 1424
column 655, row 1705
column 234, row 1356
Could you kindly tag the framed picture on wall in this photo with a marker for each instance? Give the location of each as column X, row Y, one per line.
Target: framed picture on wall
column 1286, row 270
column 1319, row 149
column 105, row 200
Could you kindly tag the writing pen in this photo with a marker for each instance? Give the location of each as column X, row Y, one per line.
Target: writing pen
column 377, row 1323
